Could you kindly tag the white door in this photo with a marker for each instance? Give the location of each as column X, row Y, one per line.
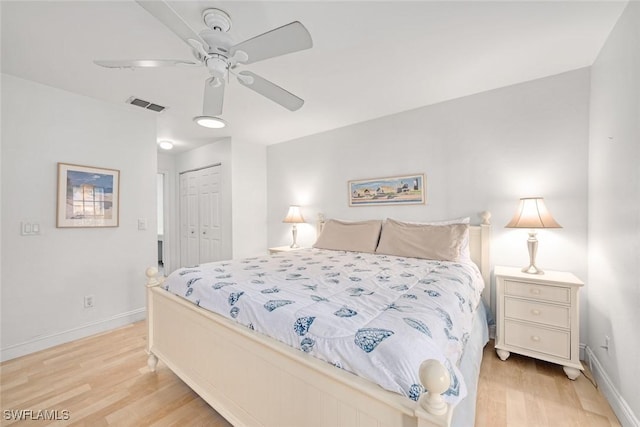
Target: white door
column 209, row 215
column 200, row 227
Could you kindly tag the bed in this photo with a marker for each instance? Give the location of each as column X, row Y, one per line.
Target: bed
column 252, row 379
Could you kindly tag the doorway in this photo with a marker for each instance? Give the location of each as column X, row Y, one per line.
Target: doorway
column 161, row 223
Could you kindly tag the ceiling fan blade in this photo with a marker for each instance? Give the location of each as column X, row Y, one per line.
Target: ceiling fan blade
column 213, row 96
column 164, row 13
column 270, row 90
column 147, row 63
column 280, row 41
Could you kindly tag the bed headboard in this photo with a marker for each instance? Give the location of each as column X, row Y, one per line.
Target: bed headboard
column 479, row 244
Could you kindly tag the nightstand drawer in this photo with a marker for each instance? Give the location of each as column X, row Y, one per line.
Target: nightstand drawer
column 530, row 311
column 539, row 339
column 539, row 292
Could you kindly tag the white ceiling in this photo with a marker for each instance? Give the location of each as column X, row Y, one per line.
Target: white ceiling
column 370, row 59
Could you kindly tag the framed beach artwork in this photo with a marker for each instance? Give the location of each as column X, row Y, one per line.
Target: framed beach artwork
column 396, row 190
column 87, row 196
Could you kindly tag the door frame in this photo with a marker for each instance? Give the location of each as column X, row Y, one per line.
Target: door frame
column 167, row 215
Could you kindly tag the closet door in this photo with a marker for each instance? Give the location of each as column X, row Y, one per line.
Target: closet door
column 200, row 225
column 189, row 224
column 209, row 215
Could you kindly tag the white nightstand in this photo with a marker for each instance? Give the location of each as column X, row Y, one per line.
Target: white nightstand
column 279, row 249
column 538, row 316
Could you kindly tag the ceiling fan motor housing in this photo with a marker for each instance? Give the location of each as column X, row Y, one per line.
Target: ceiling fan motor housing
column 218, row 42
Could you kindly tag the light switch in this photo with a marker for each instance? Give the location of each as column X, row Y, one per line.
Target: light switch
column 142, row 224
column 29, row 229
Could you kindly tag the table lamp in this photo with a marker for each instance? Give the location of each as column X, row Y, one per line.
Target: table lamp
column 532, row 213
column 294, row 217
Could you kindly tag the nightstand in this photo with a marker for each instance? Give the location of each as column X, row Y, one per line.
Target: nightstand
column 537, row 316
column 279, row 249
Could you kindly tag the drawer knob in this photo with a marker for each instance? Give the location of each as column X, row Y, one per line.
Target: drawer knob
column 535, row 338
column 535, row 291
column 535, row 312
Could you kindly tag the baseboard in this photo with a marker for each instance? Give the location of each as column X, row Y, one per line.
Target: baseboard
column 620, row 407
column 51, row 340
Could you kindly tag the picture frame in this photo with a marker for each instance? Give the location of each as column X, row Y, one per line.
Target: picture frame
column 394, row 190
column 88, row 196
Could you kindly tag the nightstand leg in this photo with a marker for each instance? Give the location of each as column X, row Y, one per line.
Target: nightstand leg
column 572, row 373
column 503, row 354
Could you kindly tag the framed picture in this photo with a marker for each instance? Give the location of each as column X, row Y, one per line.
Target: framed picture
column 87, row 196
column 395, row 190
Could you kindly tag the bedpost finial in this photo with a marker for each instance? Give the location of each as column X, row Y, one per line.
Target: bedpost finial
column 152, row 279
column 436, row 379
column 486, row 217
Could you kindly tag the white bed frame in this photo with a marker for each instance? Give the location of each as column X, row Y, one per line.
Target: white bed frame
column 253, row 380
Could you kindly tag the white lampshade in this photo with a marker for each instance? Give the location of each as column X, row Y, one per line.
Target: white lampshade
column 532, row 213
column 293, row 215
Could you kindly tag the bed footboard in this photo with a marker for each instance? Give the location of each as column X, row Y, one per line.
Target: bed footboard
column 236, row 371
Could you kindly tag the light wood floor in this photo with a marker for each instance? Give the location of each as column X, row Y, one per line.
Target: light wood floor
column 103, row 380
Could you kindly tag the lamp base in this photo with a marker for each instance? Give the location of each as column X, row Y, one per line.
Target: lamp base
column 532, row 269
column 294, row 232
column 532, row 245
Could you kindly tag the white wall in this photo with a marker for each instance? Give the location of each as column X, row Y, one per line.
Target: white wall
column 45, row 277
column 481, row 152
column 249, row 199
column 614, row 216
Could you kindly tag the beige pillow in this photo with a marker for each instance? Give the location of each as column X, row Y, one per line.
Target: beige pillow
column 465, row 251
column 437, row 242
column 356, row 236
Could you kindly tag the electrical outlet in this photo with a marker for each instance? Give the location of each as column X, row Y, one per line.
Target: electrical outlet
column 88, row 301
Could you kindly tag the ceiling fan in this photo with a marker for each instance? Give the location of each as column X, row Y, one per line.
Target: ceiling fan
column 214, row 48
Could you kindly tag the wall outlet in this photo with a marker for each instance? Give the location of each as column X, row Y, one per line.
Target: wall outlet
column 88, row 301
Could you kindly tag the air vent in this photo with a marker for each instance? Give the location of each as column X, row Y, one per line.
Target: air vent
column 145, row 104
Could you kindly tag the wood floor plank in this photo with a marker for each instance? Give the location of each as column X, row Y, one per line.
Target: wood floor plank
column 103, row 380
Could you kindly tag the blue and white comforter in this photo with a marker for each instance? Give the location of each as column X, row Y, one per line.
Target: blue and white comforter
column 377, row 316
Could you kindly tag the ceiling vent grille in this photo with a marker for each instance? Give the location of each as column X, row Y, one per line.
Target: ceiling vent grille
column 145, row 104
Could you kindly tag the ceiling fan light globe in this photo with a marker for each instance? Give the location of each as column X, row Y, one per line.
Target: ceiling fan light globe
column 217, row 66
column 210, row 122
